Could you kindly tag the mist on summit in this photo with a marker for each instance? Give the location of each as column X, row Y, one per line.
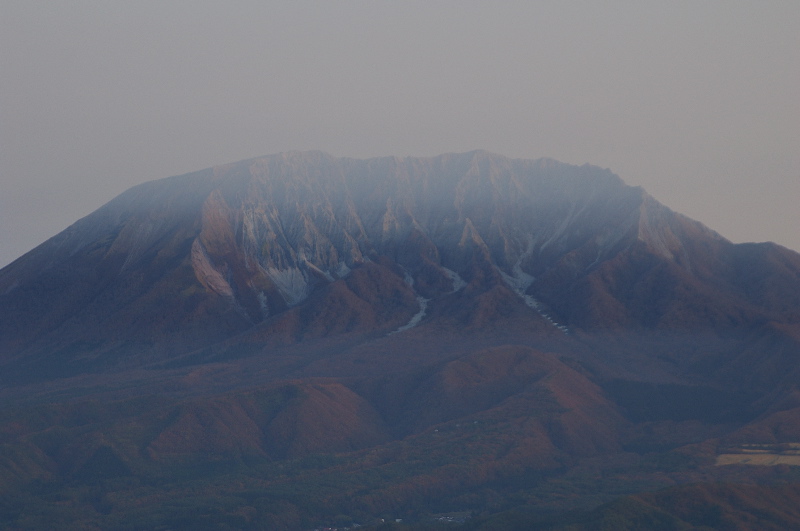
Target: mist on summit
column 694, row 102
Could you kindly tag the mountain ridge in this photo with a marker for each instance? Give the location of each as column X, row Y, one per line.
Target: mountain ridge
column 465, row 326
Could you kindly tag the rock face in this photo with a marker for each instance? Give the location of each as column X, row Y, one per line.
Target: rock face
column 302, row 304
column 173, row 265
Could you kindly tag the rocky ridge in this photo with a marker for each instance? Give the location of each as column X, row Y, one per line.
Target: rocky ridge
column 465, row 327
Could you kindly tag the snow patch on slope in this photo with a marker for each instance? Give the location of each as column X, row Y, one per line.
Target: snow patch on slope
column 423, row 308
column 417, row 317
column 342, row 270
column 262, row 302
column 520, row 281
column 291, row 283
column 455, row 278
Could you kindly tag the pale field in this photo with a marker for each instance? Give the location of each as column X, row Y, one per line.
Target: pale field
column 762, row 455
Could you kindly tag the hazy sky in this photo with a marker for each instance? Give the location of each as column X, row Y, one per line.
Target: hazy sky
column 696, row 101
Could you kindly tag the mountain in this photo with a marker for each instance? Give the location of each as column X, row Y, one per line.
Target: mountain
column 295, row 338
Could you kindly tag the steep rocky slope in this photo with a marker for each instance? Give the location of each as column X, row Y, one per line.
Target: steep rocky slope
column 389, row 334
column 180, row 263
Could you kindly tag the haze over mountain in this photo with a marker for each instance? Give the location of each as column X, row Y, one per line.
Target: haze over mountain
column 695, row 102
column 463, row 332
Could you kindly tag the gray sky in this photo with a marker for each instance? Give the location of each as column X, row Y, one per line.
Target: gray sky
column 697, row 101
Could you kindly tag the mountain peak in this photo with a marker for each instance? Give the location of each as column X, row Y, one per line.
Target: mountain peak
column 240, row 244
column 466, row 329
